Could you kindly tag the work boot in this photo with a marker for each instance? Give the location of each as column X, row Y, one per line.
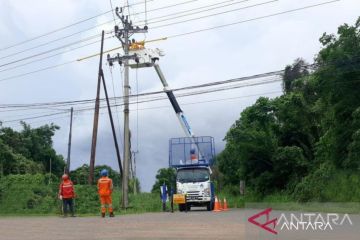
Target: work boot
column 102, row 215
column 111, row 214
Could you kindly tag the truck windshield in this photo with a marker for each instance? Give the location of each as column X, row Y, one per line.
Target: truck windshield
column 192, row 175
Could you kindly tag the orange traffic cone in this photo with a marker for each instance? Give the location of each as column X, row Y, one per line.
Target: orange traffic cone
column 221, row 206
column 225, row 205
column 217, row 206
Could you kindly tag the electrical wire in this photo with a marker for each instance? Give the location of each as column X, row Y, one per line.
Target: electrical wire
column 70, row 35
column 91, row 101
column 167, row 106
column 194, row 9
column 55, row 40
column 51, row 50
column 51, row 56
column 197, row 31
column 65, row 27
column 207, row 16
column 54, row 31
column 191, row 94
column 253, row 19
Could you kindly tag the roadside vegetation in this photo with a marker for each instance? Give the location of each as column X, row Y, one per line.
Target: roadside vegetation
column 304, row 145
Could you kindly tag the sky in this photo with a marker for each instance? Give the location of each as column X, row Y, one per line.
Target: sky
column 248, row 48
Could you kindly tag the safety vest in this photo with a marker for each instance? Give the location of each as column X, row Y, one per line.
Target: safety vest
column 193, row 157
column 105, row 186
column 67, row 189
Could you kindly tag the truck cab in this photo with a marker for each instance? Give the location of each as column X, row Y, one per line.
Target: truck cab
column 195, row 183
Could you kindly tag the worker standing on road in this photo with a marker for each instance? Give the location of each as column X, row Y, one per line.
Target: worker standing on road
column 105, row 188
column 67, row 195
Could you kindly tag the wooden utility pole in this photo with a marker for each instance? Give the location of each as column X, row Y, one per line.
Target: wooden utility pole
column 96, row 117
column 112, row 124
column 123, row 35
column 67, row 171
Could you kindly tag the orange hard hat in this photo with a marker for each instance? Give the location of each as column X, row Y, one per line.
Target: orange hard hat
column 65, row 177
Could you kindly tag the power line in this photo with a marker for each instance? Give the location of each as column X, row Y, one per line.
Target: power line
column 90, row 101
column 112, row 11
column 232, row 87
column 198, row 8
column 54, row 31
column 165, row 7
column 65, row 27
column 39, row 70
column 41, row 116
column 253, row 19
column 55, row 40
column 10, row 55
column 166, row 106
column 81, row 111
column 54, row 55
column 207, row 16
column 76, row 33
column 50, row 50
column 336, row 63
column 197, row 31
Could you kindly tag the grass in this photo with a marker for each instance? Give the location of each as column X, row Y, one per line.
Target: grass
column 32, row 195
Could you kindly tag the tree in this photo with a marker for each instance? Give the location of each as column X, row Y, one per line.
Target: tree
column 29, row 151
column 81, row 174
column 167, row 176
column 292, row 72
column 276, row 144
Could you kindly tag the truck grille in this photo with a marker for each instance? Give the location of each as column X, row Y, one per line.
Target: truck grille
column 193, row 195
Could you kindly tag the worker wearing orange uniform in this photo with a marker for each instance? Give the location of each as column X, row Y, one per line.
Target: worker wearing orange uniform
column 67, row 194
column 105, row 188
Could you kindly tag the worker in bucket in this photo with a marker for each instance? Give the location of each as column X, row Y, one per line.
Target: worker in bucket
column 105, row 188
column 67, row 195
column 193, row 155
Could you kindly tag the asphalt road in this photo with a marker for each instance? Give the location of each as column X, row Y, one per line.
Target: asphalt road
column 232, row 224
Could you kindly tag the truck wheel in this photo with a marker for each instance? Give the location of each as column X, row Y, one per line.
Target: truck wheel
column 182, row 207
column 210, row 206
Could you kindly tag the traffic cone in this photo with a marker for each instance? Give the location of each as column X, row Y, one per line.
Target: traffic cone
column 217, row 206
column 221, row 206
column 225, row 205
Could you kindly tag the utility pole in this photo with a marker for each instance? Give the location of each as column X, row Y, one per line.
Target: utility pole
column 112, row 124
column 69, row 144
column 96, row 117
column 123, row 35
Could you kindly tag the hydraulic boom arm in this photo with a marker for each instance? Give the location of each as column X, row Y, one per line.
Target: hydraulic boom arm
column 179, row 113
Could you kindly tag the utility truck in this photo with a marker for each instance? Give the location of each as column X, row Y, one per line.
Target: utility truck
column 191, row 156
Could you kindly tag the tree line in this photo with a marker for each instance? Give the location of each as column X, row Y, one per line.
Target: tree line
column 298, row 142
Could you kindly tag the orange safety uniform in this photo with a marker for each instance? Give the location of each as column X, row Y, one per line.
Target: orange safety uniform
column 66, row 189
column 105, row 188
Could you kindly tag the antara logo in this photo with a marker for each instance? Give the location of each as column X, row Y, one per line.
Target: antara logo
column 269, row 223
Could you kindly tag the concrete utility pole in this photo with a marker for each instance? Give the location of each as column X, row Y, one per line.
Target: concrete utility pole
column 123, row 35
column 96, row 116
column 69, row 144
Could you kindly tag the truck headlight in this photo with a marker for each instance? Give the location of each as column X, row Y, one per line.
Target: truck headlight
column 207, row 191
column 179, row 191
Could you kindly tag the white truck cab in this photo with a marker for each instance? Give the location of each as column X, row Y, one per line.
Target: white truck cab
column 196, row 184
